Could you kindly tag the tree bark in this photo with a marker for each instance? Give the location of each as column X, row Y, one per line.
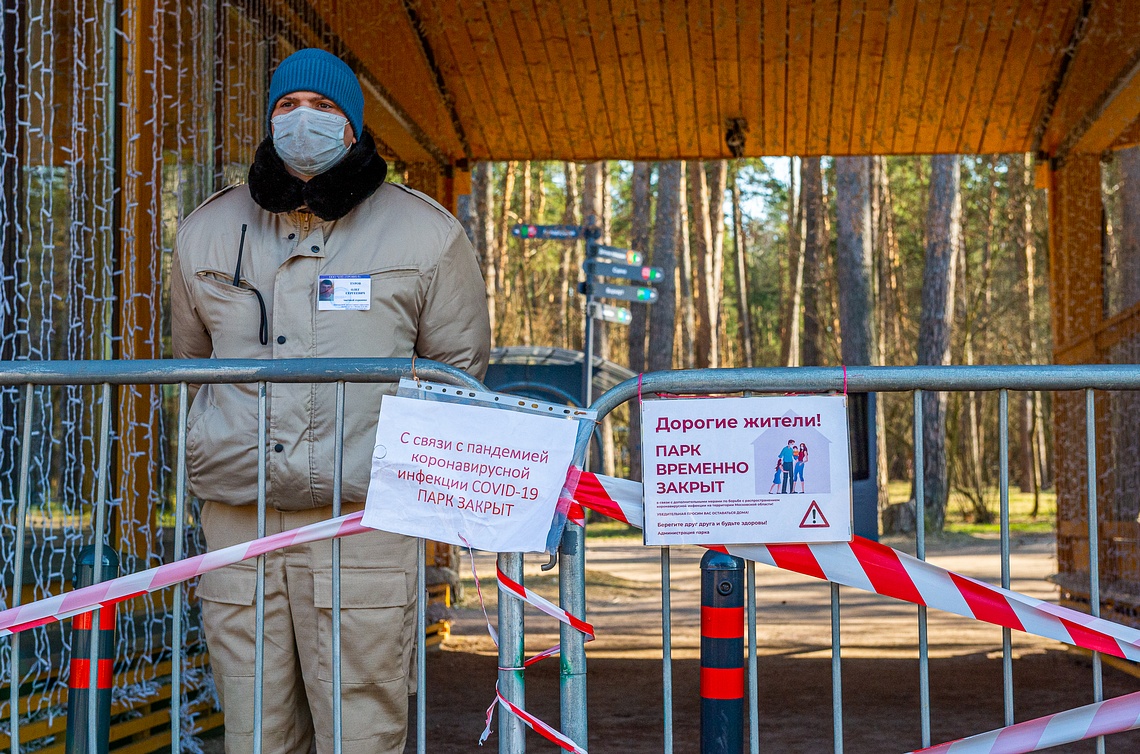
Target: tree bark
column 483, row 192
column 593, row 214
column 853, row 214
column 811, row 180
column 743, row 310
column 662, row 315
column 504, row 225
column 639, row 241
column 568, row 272
column 790, row 303
column 685, row 289
column 705, row 346
column 717, row 178
column 523, row 272
column 943, row 240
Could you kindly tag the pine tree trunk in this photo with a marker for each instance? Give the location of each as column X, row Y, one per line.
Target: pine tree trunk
column 639, row 241
column 504, row 226
column 717, row 177
column 853, row 264
column 666, row 229
column 522, row 271
column 743, row 310
column 790, row 300
column 705, row 345
column 943, row 240
column 484, row 195
column 811, row 180
column 688, row 329
column 568, row 276
column 593, row 214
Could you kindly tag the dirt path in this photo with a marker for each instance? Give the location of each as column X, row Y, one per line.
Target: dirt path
column 880, row 670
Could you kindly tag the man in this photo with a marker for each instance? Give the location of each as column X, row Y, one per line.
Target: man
column 788, row 459
column 247, row 276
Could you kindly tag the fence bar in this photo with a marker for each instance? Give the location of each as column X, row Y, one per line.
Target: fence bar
column 572, row 597
column 97, row 571
column 753, row 680
column 421, row 648
column 920, row 553
column 512, row 734
column 338, row 478
column 259, row 599
column 1094, row 543
column 836, row 673
column 1003, row 490
column 228, row 371
column 179, row 535
column 18, row 577
column 870, row 380
column 667, row 650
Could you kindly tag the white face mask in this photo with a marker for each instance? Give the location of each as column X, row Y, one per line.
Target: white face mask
column 310, row 141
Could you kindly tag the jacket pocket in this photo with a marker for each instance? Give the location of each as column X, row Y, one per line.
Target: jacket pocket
column 376, row 623
column 233, row 585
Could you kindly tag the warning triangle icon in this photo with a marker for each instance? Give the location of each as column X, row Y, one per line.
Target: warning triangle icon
column 814, row 518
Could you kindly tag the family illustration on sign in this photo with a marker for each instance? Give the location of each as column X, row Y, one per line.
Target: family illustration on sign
column 790, row 468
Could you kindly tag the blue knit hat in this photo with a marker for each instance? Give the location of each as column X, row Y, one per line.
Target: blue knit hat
column 314, row 70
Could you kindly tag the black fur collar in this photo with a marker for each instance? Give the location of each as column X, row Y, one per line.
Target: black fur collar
column 330, row 195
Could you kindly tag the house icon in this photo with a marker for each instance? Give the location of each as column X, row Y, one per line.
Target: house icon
column 767, row 446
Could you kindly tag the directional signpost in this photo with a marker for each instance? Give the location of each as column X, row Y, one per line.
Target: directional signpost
column 602, row 261
column 641, row 294
column 619, row 315
column 624, row 271
column 554, row 232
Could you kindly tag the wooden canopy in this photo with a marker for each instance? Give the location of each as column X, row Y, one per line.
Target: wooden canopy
column 450, row 81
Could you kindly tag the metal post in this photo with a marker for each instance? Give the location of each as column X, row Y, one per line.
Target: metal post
column 97, row 567
column 836, row 673
column 179, row 536
column 338, row 476
column 1003, row 485
column 18, row 575
column 259, row 592
column 572, row 674
column 1094, row 543
column 920, row 553
column 512, row 733
column 90, row 637
column 421, row 647
column 667, row 649
column 722, row 654
column 753, row 678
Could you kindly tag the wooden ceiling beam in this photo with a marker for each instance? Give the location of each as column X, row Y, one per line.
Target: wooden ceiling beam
column 441, row 89
column 1062, row 75
column 1113, row 113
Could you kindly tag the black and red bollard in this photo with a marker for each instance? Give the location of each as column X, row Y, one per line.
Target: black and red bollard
column 722, row 654
column 79, row 682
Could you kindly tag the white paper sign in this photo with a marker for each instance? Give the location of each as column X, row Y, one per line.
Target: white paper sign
column 441, row 470
column 344, row 293
column 746, row 470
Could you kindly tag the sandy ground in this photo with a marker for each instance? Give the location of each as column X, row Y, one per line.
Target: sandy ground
column 880, row 668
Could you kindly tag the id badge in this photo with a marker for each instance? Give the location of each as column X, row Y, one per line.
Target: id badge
column 344, row 293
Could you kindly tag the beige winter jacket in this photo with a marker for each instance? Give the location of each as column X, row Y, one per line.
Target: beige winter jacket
column 427, row 299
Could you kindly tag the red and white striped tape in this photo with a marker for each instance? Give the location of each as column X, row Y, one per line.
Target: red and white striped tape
column 1099, row 719
column 874, row 567
column 105, row 593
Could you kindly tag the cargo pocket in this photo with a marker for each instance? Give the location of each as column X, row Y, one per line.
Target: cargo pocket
column 229, row 618
column 375, row 643
column 232, row 585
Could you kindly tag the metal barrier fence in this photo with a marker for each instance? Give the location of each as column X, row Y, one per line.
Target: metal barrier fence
column 1001, row 379
column 574, row 718
column 183, row 374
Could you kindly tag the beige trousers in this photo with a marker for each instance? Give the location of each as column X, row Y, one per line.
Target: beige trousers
column 378, row 580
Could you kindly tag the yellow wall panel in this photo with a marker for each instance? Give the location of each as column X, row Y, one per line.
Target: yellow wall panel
column 868, row 79
column 899, row 30
column 799, row 76
column 981, row 26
